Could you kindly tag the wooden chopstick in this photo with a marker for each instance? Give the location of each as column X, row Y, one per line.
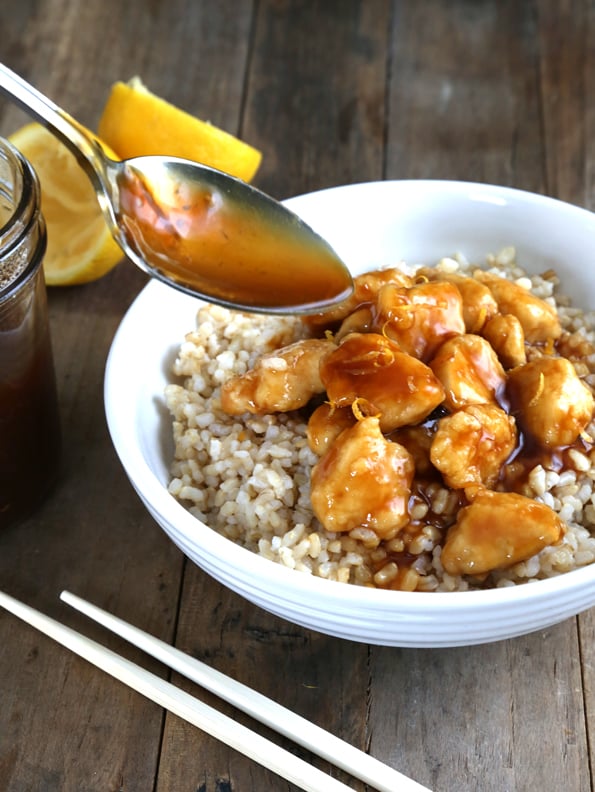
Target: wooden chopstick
column 340, row 753
column 228, row 731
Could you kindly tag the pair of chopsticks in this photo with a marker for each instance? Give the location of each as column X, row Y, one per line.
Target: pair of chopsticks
column 358, row 763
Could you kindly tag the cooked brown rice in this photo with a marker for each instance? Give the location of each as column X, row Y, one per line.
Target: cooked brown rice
column 248, row 478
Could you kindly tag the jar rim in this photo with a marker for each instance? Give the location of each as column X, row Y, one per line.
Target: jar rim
column 25, row 215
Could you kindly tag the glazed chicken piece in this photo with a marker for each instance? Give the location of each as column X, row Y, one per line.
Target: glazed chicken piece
column 280, row 381
column 365, row 289
column 397, row 387
column 507, row 339
column 469, row 371
column 421, row 317
column 325, row 424
column 551, row 403
column 538, row 319
column 360, row 321
column 497, row 530
column 471, row 445
column 479, row 304
column 363, row 480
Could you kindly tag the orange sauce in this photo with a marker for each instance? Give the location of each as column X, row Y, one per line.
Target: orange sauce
column 207, row 242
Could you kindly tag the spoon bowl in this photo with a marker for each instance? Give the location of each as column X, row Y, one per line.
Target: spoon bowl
column 198, row 229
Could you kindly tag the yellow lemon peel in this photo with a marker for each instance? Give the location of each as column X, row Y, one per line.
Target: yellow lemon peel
column 136, row 122
column 80, row 246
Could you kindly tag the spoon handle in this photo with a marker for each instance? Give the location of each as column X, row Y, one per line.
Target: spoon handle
column 79, row 140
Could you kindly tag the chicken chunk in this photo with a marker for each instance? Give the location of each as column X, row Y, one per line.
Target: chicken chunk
column 363, row 480
column 497, row 530
column 469, row 371
column 507, row 339
column 400, row 389
column 538, row 319
column 326, row 424
column 421, row 317
column 471, row 445
column 280, row 381
column 479, row 304
column 550, row 401
column 360, row 321
column 365, row 289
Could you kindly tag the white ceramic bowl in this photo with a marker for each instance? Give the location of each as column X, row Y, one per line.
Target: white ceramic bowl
column 369, row 225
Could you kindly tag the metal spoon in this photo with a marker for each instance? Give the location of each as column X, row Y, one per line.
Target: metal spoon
column 196, row 228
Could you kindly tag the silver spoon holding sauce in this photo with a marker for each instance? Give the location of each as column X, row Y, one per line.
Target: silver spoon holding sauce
column 198, row 229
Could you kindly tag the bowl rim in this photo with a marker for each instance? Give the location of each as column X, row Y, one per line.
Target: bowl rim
column 148, row 485
column 474, row 190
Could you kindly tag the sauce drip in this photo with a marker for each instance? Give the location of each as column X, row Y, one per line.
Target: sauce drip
column 206, row 240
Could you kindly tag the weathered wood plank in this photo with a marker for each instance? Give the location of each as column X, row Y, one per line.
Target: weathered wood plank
column 309, row 673
column 483, row 90
column 64, row 726
column 567, row 35
column 316, row 93
column 481, row 717
column 466, row 103
column 464, row 98
column 315, row 107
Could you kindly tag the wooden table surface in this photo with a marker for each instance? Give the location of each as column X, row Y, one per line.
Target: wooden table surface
column 332, row 92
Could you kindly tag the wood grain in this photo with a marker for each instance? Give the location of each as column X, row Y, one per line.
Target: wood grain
column 567, row 88
column 464, row 98
column 333, row 92
column 316, row 93
column 322, row 40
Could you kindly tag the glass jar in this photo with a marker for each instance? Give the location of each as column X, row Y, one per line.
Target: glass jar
column 29, row 421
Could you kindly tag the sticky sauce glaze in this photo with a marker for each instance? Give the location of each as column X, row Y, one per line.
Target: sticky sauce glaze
column 208, row 242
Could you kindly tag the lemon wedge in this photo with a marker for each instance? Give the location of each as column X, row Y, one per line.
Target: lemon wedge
column 80, row 246
column 135, row 122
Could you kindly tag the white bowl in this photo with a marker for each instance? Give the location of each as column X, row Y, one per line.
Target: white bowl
column 369, row 225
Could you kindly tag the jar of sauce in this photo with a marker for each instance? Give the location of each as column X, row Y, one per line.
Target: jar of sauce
column 29, row 420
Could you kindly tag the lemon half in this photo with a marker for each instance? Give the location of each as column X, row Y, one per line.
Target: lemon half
column 80, row 246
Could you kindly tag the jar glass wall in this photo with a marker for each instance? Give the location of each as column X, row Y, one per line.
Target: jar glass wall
column 29, row 421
